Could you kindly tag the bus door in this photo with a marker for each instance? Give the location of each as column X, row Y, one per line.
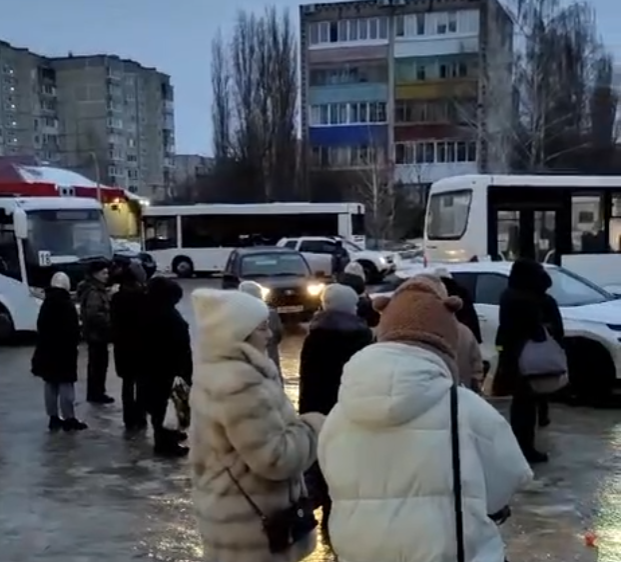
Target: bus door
column 526, row 223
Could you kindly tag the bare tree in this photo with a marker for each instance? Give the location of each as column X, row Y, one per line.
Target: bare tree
column 255, row 89
column 221, row 99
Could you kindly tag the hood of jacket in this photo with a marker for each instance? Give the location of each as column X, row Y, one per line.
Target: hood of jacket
column 355, row 282
column 56, row 295
column 389, row 384
column 338, row 321
column 164, row 292
column 529, row 276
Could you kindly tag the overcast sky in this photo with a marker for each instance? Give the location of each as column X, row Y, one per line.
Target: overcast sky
column 173, row 36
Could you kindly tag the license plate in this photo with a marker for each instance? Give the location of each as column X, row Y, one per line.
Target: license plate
column 289, row 309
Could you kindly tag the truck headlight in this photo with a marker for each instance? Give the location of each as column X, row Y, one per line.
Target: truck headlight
column 315, row 289
column 265, row 292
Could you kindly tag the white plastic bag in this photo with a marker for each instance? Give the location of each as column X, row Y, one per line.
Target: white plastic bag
column 170, row 418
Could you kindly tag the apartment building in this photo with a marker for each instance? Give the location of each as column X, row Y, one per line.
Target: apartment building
column 109, row 118
column 190, row 167
column 423, row 87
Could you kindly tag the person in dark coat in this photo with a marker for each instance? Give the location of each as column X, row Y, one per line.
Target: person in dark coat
column 169, row 356
column 55, row 358
column 467, row 314
column 339, row 259
column 355, row 277
column 128, row 309
column 94, row 299
column 526, row 311
column 336, row 333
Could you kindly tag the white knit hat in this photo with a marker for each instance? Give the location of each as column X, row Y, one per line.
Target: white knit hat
column 251, row 288
column 60, row 280
column 225, row 318
column 355, row 268
column 340, row 297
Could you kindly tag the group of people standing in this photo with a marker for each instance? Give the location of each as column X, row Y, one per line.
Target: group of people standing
column 392, row 436
column 150, row 343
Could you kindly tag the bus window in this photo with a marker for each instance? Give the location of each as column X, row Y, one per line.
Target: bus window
column 358, row 224
column 508, row 234
column 615, row 224
column 448, row 214
column 9, row 257
column 588, row 225
column 160, row 233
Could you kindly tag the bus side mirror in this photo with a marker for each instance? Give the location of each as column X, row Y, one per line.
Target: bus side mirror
column 20, row 223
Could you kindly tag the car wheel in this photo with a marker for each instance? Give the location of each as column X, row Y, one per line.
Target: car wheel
column 592, row 374
column 371, row 272
column 7, row 328
column 183, row 267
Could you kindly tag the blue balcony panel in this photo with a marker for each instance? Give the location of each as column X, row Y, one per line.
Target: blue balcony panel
column 348, row 135
column 347, row 93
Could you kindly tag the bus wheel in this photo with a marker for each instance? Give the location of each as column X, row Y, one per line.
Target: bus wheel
column 183, row 267
column 591, row 374
column 7, row 328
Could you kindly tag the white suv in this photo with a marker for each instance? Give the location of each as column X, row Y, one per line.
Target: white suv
column 318, row 251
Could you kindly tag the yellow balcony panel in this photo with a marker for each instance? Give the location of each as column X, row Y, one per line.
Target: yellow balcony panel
column 435, row 89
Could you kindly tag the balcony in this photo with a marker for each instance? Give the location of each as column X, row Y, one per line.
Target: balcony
column 435, row 89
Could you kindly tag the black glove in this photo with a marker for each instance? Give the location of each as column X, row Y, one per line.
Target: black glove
column 501, row 516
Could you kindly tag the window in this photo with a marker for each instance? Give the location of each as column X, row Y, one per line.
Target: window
column 461, row 152
column 333, row 32
column 615, row 224
column 314, row 34
column 353, row 30
column 489, row 288
column 9, row 258
column 342, row 30
column 400, row 26
column 275, row 263
column 452, row 22
column 374, row 28
column 429, row 152
column 588, row 234
column 160, row 233
column 317, row 247
column 363, row 29
column 291, row 244
column 570, row 290
column 383, row 28
column 448, row 214
column 358, row 224
column 420, row 24
column 420, row 73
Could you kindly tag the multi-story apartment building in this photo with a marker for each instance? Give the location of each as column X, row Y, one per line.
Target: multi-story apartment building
column 190, row 167
column 425, row 87
column 109, row 118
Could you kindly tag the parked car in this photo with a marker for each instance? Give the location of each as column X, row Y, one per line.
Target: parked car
column 287, row 281
column 591, row 316
column 319, row 249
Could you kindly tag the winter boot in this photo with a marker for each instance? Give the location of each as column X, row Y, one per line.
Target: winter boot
column 55, row 423
column 167, row 445
column 73, row 424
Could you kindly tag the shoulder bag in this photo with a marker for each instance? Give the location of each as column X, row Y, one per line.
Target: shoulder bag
column 286, row 527
column 544, row 365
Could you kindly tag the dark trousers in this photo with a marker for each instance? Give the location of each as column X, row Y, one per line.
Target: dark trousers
column 133, row 400
column 97, row 369
column 523, row 416
column 159, row 394
column 543, row 410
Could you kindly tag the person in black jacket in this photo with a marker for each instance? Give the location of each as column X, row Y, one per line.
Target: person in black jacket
column 55, row 358
column 354, row 277
column 335, row 334
column 128, row 309
column 526, row 311
column 467, row 314
column 169, row 356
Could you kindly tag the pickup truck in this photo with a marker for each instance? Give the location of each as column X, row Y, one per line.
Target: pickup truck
column 318, row 251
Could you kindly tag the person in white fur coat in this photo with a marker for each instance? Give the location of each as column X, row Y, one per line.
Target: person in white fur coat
column 244, row 430
column 386, row 449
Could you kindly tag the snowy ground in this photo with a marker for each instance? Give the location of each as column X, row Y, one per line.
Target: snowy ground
column 98, row 497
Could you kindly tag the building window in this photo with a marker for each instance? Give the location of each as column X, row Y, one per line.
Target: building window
column 344, row 156
column 348, row 113
column 435, row 152
column 400, row 26
column 343, row 31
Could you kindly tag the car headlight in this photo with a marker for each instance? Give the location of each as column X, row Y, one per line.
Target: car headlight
column 265, row 292
column 315, row 289
column 382, row 261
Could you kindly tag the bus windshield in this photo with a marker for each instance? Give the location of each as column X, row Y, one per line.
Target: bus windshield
column 68, row 233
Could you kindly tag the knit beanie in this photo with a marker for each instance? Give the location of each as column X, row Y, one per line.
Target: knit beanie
column 340, row 298
column 355, row 268
column 251, row 288
column 226, row 318
column 420, row 312
column 60, row 280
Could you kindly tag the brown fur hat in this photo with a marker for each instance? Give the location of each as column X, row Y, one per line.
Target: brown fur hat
column 420, row 311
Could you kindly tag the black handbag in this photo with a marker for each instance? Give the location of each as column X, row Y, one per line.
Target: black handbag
column 456, row 475
column 286, row 527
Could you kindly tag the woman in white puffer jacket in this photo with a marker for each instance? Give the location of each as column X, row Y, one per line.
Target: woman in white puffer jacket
column 385, row 449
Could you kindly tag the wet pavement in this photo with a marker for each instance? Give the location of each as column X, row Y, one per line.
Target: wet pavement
column 98, row 496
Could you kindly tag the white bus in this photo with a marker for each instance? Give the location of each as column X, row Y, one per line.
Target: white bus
column 573, row 221
column 39, row 236
column 199, row 238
